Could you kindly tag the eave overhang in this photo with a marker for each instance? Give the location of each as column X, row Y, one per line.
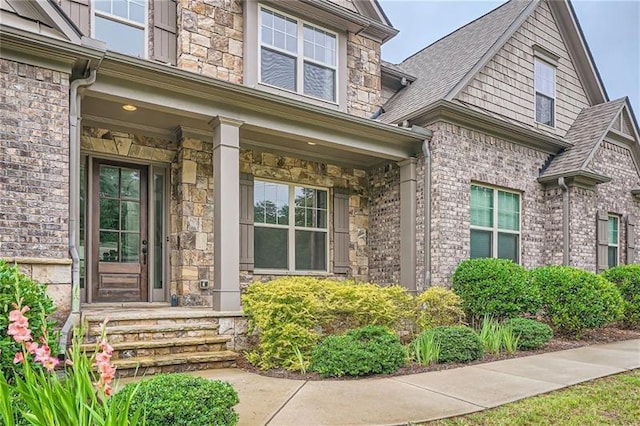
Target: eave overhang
column 443, row 110
column 581, row 178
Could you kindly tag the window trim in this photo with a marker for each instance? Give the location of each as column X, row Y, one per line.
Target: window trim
column 291, row 231
column 538, row 58
column 495, row 230
column 617, row 242
column 120, row 20
column 299, row 56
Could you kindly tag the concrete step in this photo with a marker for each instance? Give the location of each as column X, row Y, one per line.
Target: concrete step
column 142, row 366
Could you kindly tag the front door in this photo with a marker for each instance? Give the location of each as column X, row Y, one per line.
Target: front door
column 119, row 232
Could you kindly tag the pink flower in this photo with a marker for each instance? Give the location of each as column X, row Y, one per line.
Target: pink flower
column 19, row 358
column 17, row 315
column 31, row 347
column 19, row 332
column 43, row 353
column 50, row 363
column 106, row 347
column 68, row 362
column 108, row 390
column 102, row 357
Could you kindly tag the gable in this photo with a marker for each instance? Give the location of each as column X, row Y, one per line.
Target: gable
column 39, row 17
column 369, row 8
column 505, row 85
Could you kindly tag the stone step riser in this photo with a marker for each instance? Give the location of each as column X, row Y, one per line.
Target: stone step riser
column 146, row 336
column 132, row 353
column 179, row 368
column 94, row 326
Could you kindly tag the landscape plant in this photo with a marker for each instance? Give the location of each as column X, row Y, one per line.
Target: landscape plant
column 359, row 352
column 439, row 306
column 497, row 336
column 627, row 279
column 292, row 314
column 425, row 349
column 182, row 400
column 531, row 334
column 575, row 300
column 496, row 287
column 457, row 344
column 18, row 289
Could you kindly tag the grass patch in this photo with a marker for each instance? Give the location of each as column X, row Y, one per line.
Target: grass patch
column 611, row 400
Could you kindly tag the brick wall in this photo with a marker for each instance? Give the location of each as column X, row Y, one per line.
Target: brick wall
column 462, row 156
column 553, row 241
column 512, row 67
column 210, row 38
column 34, row 161
column 384, row 220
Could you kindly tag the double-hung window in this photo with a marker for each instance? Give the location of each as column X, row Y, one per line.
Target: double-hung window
column 122, row 25
column 613, row 240
column 297, row 56
column 545, row 88
column 290, row 227
column 495, row 223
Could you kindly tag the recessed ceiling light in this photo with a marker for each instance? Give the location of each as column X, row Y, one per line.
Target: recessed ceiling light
column 311, row 143
column 128, row 107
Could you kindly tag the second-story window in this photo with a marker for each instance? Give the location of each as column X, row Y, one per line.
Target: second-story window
column 122, row 25
column 613, row 241
column 297, row 56
column 545, row 88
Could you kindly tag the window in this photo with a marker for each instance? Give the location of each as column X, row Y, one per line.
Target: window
column 122, row 25
column 495, row 223
column 297, row 56
column 613, row 241
column 290, row 239
column 545, row 87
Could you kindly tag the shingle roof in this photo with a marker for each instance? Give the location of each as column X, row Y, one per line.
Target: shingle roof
column 585, row 134
column 445, row 63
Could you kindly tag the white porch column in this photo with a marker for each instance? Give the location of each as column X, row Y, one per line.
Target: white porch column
column 226, row 213
column 408, row 223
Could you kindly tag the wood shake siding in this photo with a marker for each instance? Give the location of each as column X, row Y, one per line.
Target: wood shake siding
column 506, row 84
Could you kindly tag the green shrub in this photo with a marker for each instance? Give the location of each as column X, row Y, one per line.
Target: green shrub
column 627, row 279
column 457, row 344
column 292, row 314
column 367, row 350
column 424, row 349
column 498, row 336
column 440, row 306
column 15, row 286
column 495, row 287
column 181, row 399
column 532, row 334
column 575, row 300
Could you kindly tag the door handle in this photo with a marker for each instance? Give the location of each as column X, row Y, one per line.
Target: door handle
column 144, row 252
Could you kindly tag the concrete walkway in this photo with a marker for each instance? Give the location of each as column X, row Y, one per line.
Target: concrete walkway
column 420, row 397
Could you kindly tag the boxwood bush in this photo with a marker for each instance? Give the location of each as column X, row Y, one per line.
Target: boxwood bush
column 292, row 314
column 495, row 287
column 16, row 286
column 440, row 306
column 627, row 279
column 575, row 300
column 457, row 344
column 182, row 400
column 359, row 352
column 532, row 334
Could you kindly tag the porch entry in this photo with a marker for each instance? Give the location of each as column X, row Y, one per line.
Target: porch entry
column 125, row 232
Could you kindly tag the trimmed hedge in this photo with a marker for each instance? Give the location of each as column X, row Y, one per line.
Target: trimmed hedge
column 457, row 344
column 363, row 351
column 531, row 334
column 627, row 279
column 575, row 300
column 182, row 400
column 440, row 306
column 497, row 288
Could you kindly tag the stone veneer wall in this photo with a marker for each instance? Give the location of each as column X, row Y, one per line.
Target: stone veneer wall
column 364, row 85
column 34, row 175
column 462, row 156
column 293, row 170
column 210, row 38
column 384, row 219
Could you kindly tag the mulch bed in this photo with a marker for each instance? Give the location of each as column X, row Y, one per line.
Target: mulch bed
column 558, row 343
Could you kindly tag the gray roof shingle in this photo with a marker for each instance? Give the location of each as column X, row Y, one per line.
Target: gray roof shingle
column 585, row 134
column 445, row 63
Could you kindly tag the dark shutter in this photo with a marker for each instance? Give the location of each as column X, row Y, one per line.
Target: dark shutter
column 78, row 12
column 631, row 239
column 246, row 222
column 603, row 240
column 340, row 231
column 164, row 31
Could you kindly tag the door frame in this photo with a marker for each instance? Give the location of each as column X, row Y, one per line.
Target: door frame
column 152, row 169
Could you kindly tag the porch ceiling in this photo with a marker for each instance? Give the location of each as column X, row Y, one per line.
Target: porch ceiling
column 148, row 121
